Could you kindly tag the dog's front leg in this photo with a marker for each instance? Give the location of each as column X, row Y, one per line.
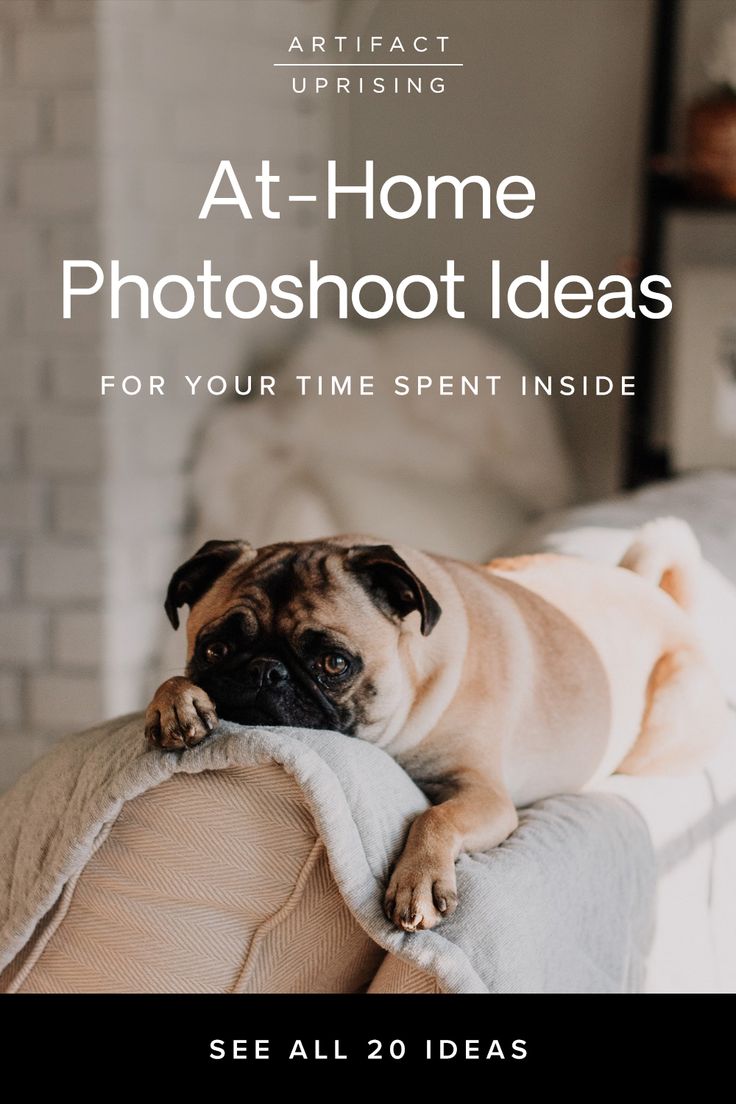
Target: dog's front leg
column 422, row 888
column 180, row 715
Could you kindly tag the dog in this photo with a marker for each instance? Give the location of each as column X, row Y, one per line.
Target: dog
column 493, row 685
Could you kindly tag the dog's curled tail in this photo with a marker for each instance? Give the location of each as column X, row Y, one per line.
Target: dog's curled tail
column 667, row 553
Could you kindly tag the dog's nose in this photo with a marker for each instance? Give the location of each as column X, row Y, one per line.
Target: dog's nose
column 265, row 671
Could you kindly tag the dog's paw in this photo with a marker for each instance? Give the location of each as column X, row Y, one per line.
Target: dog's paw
column 180, row 715
column 420, row 893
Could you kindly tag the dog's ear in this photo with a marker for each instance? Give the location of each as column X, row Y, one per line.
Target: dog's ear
column 195, row 577
column 392, row 583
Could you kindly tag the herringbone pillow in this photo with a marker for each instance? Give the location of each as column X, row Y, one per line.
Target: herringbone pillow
column 211, row 882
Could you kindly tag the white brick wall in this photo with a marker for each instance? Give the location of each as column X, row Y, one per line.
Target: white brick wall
column 73, row 120
column 24, row 636
column 51, row 534
column 113, row 116
column 64, row 702
column 11, row 707
column 167, row 120
column 7, row 573
column 20, row 381
column 20, row 115
column 20, row 245
column 22, row 506
column 59, row 573
column 8, row 441
column 57, row 55
column 57, row 184
column 62, row 442
column 69, row 373
column 19, row 751
column 76, row 508
column 71, row 9
column 75, row 639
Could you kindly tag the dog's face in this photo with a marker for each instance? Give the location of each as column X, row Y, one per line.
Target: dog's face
column 311, row 635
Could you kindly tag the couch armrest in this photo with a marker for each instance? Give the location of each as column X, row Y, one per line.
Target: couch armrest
column 211, row 882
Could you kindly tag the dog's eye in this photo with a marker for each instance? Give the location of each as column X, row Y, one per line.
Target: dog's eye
column 334, row 664
column 216, row 650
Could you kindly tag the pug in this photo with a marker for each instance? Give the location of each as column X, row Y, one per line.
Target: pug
column 493, row 685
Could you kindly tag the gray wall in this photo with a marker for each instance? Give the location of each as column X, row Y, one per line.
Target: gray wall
column 554, row 90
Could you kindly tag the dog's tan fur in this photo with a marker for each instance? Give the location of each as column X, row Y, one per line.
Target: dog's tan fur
column 543, row 675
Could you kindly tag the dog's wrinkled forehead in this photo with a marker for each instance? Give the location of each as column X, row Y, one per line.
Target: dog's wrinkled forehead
column 335, row 578
column 285, row 576
column 283, row 584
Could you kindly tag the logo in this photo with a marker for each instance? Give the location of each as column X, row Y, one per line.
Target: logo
column 360, row 65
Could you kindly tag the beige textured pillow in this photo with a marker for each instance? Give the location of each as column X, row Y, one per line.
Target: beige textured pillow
column 211, row 882
column 396, row 975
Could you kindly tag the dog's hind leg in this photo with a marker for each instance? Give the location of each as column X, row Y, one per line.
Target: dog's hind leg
column 684, row 718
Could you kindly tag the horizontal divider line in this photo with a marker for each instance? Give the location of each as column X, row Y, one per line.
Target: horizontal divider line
column 368, row 64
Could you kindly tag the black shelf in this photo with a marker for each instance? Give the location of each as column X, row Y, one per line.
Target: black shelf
column 665, row 191
column 675, row 192
column 643, row 462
